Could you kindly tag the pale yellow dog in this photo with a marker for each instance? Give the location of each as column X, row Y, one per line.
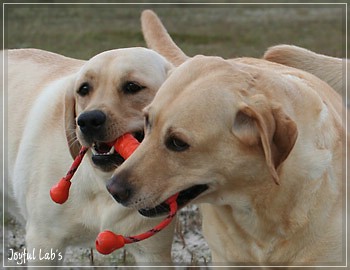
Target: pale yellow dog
column 259, row 144
column 55, row 105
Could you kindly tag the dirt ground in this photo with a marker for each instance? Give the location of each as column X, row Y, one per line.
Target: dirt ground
column 189, row 246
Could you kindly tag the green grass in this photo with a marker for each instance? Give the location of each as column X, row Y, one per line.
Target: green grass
column 82, row 31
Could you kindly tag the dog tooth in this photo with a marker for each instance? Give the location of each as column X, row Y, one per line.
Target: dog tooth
column 111, row 152
column 94, row 152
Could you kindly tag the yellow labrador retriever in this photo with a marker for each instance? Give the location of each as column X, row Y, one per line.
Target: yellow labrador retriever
column 260, row 144
column 56, row 104
column 330, row 69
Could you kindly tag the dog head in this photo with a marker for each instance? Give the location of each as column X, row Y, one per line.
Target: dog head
column 107, row 99
column 211, row 129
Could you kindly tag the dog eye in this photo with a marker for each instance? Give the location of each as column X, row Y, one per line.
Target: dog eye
column 132, row 88
column 84, row 89
column 176, row 144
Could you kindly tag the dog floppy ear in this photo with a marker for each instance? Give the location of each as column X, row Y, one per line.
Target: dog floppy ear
column 258, row 123
column 70, row 124
column 158, row 39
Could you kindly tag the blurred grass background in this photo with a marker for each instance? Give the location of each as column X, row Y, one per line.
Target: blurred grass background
column 83, row 30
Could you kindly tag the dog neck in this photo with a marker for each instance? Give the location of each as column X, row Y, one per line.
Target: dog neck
column 274, row 219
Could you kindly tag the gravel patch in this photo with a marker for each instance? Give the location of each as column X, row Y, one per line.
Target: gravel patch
column 189, row 246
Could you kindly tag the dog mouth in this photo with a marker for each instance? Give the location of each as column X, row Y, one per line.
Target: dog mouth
column 185, row 196
column 106, row 157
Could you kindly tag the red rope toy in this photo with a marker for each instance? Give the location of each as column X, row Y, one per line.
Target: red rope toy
column 107, row 241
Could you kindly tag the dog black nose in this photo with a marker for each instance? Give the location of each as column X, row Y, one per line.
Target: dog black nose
column 119, row 189
column 91, row 122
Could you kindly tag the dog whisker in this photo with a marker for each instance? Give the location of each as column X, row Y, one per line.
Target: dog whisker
column 72, row 141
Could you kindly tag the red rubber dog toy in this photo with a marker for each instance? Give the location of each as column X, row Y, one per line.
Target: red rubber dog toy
column 107, row 241
column 124, row 145
column 59, row 193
